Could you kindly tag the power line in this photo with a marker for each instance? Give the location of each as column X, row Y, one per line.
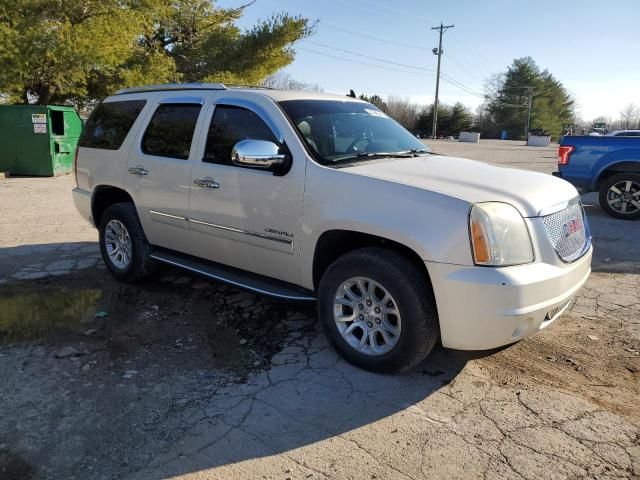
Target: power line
column 474, row 54
column 408, row 13
column 379, row 5
column 370, row 37
column 461, row 67
column 391, row 62
column 341, row 28
column 461, row 85
column 359, row 62
column 447, row 78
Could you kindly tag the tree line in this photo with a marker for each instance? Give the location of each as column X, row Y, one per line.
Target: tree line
column 79, row 51
column 418, row 119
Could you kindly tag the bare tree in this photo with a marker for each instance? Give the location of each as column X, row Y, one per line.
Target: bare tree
column 284, row 81
column 403, row 111
column 629, row 116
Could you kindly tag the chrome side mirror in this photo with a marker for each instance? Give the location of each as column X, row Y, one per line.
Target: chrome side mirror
column 258, row 154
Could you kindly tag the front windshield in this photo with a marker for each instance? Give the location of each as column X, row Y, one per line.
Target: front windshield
column 349, row 131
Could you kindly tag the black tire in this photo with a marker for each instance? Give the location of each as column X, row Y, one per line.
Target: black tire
column 410, row 290
column 615, row 210
column 140, row 264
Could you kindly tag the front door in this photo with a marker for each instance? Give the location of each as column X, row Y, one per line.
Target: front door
column 239, row 216
column 159, row 170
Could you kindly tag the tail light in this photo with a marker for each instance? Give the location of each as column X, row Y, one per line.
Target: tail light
column 564, row 152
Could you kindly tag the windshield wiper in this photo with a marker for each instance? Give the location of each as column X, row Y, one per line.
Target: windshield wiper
column 414, row 152
column 360, row 155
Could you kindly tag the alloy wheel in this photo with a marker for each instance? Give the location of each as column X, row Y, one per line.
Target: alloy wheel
column 624, row 197
column 118, row 244
column 367, row 316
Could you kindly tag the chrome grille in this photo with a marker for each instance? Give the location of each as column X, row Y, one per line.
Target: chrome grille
column 567, row 231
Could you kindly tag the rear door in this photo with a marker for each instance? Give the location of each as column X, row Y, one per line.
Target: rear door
column 246, row 218
column 159, row 168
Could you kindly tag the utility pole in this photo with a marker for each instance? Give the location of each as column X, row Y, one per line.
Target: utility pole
column 438, row 51
column 526, row 128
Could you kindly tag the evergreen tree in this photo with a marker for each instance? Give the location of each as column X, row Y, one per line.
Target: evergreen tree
column 460, row 120
column 552, row 106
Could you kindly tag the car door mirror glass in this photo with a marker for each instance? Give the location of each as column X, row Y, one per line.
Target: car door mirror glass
column 260, row 154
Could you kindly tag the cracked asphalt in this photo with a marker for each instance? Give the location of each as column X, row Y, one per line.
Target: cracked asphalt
column 179, row 377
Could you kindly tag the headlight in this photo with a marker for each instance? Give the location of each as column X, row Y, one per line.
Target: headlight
column 499, row 236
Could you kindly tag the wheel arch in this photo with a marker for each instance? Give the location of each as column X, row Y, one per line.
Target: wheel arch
column 103, row 197
column 622, row 166
column 332, row 244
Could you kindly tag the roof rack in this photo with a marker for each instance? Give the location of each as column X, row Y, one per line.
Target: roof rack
column 242, row 85
column 173, row 86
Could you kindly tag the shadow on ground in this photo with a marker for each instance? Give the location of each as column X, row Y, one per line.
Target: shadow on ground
column 176, row 375
column 615, row 241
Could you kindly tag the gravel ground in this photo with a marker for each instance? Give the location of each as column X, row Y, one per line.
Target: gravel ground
column 182, row 377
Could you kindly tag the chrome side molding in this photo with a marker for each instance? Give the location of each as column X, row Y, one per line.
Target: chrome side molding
column 250, row 233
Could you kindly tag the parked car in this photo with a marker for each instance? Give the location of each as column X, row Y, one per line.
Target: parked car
column 314, row 197
column 609, row 165
column 624, row 133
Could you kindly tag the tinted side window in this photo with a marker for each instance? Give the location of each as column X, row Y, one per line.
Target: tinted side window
column 109, row 124
column 170, row 131
column 230, row 125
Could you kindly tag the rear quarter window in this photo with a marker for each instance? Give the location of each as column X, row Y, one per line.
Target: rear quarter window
column 109, row 124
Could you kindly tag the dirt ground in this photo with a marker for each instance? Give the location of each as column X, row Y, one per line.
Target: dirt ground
column 186, row 378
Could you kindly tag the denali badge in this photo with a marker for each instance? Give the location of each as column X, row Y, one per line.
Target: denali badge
column 572, row 226
column 279, row 232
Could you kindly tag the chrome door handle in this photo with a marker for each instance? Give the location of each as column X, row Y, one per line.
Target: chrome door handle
column 206, row 182
column 138, row 171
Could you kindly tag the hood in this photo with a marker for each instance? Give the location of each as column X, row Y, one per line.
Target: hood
column 473, row 181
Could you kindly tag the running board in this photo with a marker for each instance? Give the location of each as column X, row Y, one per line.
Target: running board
column 233, row 276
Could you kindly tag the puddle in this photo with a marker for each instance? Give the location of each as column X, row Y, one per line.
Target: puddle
column 164, row 323
column 28, row 315
column 227, row 350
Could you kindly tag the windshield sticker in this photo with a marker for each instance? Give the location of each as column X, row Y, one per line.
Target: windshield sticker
column 375, row 113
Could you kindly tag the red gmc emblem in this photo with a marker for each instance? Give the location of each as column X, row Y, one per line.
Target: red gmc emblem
column 572, row 226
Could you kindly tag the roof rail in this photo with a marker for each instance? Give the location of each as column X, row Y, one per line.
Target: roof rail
column 173, row 86
column 243, row 85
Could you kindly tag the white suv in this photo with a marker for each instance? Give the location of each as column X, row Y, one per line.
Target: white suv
column 308, row 196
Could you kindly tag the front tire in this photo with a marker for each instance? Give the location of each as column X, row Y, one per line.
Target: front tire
column 123, row 244
column 620, row 196
column 378, row 310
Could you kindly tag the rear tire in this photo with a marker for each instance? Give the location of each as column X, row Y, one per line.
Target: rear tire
column 368, row 285
column 123, row 244
column 618, row 193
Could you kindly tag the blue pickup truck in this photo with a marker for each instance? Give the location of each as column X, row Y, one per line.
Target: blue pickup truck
column 608, row 165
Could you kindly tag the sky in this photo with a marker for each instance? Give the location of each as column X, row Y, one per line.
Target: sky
column 592, row 47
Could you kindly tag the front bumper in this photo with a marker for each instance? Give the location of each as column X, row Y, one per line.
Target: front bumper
column 481, row 308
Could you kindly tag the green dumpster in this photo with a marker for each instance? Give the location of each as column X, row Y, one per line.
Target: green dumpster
column 38, row 139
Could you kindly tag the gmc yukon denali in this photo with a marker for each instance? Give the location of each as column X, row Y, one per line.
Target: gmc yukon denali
column 316, row 197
